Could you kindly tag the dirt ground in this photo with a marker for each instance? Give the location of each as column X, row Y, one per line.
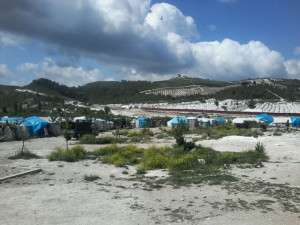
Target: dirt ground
column 60, row 195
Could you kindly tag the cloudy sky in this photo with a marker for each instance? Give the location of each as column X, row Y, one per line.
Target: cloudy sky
column 75, row 42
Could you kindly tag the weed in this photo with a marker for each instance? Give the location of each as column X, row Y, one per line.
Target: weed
column 71, row 155
column 91, row 177
column 260, row 147
column 25, row 155
column 121, row 156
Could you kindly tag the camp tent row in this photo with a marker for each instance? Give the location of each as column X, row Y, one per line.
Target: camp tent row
column 193, row 121
column 16, row 127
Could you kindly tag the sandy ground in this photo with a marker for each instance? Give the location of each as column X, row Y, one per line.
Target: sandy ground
column 59, row 194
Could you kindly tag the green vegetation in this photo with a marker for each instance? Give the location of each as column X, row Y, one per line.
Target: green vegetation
column 119, row 156
column 91, row 139
column 223, row 130
column 70, row 155
column 24, row 154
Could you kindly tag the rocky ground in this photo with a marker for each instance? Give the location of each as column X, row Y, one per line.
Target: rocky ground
column 59, row 193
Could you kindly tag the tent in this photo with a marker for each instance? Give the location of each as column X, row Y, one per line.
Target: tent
column 176, row 120
column 295, row 121
column 266, row 118
column 220, row 121
column 191, row 121
column 36, row 125
column 141, row 122
column 205, row 122
column 12, row 119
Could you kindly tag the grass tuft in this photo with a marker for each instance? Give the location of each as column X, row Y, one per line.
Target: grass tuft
column 25, row 155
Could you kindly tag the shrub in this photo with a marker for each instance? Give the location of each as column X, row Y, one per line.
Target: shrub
column 91, row 139
column 260, row 147
column 25, row 155
column 227, row 158
column 107, row 150
column 253, row 157
column 122, row 156
column 70, row 155
column 155, row 158
column 184, row 162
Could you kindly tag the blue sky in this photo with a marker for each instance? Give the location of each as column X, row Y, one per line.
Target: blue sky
column 75, row 42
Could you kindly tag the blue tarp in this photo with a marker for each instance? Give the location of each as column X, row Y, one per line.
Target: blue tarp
column 177, row 120
column 220, row 121
column 142, row 122
column 12, row 119
column 35, row 125
column 295, row 121
column 265, row 117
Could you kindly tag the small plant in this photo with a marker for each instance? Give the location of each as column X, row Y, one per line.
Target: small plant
column 24, row 154
column 260, row 147
column 89, row 178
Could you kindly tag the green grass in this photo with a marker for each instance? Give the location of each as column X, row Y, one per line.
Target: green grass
column 120, row 156
column 219, row 131
column 71, row 155
column 25, row 155
column 91, row 139
column 183, row 166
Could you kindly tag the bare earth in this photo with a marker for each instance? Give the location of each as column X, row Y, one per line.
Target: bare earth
column 59, row 194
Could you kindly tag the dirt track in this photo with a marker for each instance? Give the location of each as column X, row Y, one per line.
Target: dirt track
column 59, row 194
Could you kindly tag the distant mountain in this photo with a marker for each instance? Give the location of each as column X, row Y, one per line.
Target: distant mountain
column 174, row 90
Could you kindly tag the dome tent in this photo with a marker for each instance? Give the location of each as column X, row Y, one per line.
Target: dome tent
column 266, row 118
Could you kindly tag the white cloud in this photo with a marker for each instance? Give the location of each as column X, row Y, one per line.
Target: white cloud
column 293, row 68
column 13, row 40
column 165, row 18
column 4, row 72
column 151, row 42
column 297, row 50
column 27, row 67
column 71, row 76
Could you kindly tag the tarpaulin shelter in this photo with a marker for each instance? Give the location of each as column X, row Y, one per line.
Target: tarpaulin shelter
column 295, row 121
column 141, row 122
column 36, row 125
column 220, row 121
column 176, row 120
column 205, row 122
column 265, row 117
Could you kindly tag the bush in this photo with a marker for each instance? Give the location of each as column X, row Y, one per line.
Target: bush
column 91, row 139
column 71, row 155
column 260, row 147
column 121, row 156
column 107, row 150
column 155, row 158
column 25, row 155
column 227, row 158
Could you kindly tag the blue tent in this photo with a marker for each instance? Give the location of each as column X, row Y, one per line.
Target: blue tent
column 12, row 119
column 220, row 121
column 177, row 120
column 141, row 122
column 35, row 125
column 265, row 117
column 295, row 121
